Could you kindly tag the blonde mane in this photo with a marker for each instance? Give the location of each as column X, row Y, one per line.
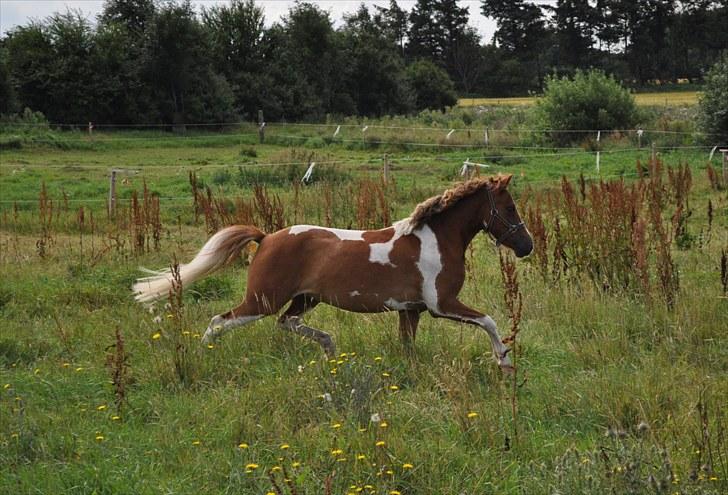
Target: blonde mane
column 435, row 205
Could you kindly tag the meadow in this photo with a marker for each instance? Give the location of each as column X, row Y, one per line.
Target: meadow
column 621, row 335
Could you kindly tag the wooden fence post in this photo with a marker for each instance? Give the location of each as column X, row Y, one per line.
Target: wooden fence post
column 386, row 168
column 112, row 193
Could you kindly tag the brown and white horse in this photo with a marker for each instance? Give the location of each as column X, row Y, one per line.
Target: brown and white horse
column 417, row 264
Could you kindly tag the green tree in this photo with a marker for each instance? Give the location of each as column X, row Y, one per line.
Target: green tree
column 236, row 32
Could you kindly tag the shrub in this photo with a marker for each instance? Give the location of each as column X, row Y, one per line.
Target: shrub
column 432, row 86
column 714, row 102
column 591, row 100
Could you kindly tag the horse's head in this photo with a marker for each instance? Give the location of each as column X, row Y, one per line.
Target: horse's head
column 501, row 219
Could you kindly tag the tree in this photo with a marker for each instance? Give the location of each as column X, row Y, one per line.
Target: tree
column 393, row 22
column 375, row 75
column 134, row 15
column 574, row 23
column 8, row 98
column 179, row 69
column 236, row 34
column 521, row 26
column 424, row 32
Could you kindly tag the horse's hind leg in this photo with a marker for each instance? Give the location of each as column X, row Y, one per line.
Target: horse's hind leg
column 249, row 311
column 408, row 320
column 291, row 320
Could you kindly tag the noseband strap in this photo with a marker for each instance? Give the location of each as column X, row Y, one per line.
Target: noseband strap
column 495, row 215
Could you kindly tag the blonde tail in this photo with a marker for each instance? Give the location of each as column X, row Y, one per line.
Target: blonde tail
column 220, row 250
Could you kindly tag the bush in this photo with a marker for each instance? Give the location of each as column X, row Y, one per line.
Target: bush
column 432, row 86
column 591, row 100
column 714, row 102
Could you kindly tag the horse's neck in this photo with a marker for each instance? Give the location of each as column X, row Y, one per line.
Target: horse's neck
column 459, row 225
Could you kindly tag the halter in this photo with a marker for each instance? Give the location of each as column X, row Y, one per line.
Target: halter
column 495, row 215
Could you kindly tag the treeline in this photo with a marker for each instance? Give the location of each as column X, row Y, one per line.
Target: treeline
column 148, row 61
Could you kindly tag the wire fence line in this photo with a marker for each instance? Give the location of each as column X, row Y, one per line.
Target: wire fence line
column 228, row 197
column 371, row 161
column 361, row 126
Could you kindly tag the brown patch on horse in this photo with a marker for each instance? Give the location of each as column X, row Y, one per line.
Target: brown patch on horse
column 438, row 204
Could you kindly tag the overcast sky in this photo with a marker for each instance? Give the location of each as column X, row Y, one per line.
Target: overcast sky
column 19, row 12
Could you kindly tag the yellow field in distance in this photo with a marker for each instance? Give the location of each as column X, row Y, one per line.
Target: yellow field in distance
column 674, row 98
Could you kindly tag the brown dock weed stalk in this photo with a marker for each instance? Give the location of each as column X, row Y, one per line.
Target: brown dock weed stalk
column 514, row 305
column 117, row 362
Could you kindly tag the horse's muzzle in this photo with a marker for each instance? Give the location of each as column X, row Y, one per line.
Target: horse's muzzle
column 523, row 248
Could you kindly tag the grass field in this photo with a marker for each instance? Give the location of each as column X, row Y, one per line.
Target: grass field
column 617, row 392
column 672, row 98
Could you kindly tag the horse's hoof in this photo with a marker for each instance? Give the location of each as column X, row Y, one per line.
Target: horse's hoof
column 507, row 368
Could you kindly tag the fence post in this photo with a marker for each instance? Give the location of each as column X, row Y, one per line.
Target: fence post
column 386, row 168
column 485, row 136
column 725, row 165
column 653, row 155
column 639, row 138
column 599, row 138
column 90, row 128
column 261, row 126
column 112, row 193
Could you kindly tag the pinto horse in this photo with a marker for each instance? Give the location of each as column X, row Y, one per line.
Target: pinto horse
column 416, row 265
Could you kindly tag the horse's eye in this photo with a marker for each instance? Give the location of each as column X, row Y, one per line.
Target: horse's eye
column 511, row 209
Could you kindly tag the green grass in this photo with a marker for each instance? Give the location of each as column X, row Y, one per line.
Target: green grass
column 592, row 362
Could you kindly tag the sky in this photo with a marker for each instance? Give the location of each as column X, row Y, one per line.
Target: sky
column 19, row 12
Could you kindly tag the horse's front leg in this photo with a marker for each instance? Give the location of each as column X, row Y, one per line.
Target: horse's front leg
column 455, row 310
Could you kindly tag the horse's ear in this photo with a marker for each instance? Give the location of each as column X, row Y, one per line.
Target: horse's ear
column 503, row 181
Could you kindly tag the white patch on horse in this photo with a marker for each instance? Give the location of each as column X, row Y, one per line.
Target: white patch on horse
column 401, row 306
column 379, row 251
column 220, row 325
column 430, row 265
column 354, row 293
column 343, row 234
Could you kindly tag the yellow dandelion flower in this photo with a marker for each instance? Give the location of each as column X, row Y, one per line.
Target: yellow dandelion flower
column 185, row 333
column 378, row 358
column 333, row 371
column 383, row 424
column 337, row 452
column 369, row 487
column 394, row 492
column 713, row 478
column 380, row 443
column 340, row 361
column 341, row 459
column 196, row 335
column 393, row 388
column 312, row 362
column 170, row 316
column 66, row 365
column 389, row 472
column 80, row 368
column 285, row 446
column 407, row 465
column 352, row 354
column 472, row 415
column 102, row 407
column 386, row 375
column 210, row 346
column 243, row 445
column 296, row 464
column 196, row 442
column 336, row 426
column 6, row 386
column 99, row 438
column 270, row 493
column 360, row 457
column 156, row 336
column 275, row 469
column 332, row 361
column 251, row 466
column 362, row 430
column 115, row 418
column 36, row 371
